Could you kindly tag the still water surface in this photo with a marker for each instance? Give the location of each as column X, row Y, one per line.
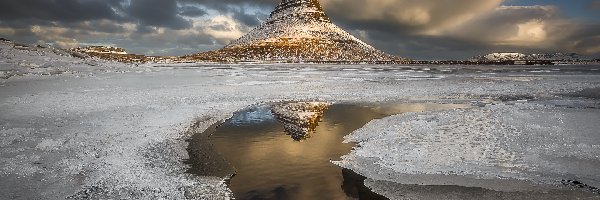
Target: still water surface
column 271, row 165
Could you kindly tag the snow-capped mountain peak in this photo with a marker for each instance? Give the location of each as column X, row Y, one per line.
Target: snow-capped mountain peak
column 297, row 30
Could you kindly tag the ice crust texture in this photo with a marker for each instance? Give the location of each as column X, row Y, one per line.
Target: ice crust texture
column 540, row 144
column 108, row 131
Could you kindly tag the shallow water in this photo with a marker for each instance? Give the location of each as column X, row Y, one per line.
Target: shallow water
column 271, row 165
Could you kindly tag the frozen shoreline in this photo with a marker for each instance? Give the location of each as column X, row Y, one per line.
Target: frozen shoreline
column 96, row 133
column 523, row 148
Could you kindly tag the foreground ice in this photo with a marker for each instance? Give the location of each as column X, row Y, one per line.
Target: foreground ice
column 518, row 147
column 105, row 134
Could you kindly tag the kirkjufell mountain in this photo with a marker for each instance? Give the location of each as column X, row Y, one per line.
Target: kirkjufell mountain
column 298, row 31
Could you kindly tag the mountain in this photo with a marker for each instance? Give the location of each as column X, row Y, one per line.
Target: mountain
column 101, row 50
column 297, row 31
column 526, row 57
column 118, row 54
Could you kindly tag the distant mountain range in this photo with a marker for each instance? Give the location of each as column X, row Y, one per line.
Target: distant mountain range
column 101, row 50
column 119, row 54
column 527, row 57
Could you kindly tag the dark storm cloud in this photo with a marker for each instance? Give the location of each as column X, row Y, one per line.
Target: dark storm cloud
column 117, row 22
column 248, row 12
column 407, row 14
column 225, row 4
column 161, row 13
column 192, row 11
column 169, row 43
column 421, row 35
column 247, row 19
column 239, row 9
column 423, row 46
column 585, row 39
column 95, row 25
column 56, row 10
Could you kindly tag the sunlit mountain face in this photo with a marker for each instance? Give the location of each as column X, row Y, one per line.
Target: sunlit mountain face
column 298, row 31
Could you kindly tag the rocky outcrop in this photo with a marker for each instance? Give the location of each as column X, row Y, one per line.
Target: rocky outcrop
column 118, row 54
column 101, row 50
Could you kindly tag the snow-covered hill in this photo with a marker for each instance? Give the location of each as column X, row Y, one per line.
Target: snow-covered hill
column 101, row 49
column 297, row 30
column 22, row 59
column 526, row 57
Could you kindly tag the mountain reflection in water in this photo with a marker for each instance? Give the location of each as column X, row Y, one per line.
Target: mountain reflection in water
column 300, row 119
column 271, row 165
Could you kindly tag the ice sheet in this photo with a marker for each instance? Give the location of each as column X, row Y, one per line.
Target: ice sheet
column 107, row 130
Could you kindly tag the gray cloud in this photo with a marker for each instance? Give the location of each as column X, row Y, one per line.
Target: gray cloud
column 247, row 19
column 408, row 15
column 141, row 25
column 57, row 10
column 426, row 29
column 192, row 11
column 437, row 30
column 162, row 13
column 224, row 5
column 584, row 39
column 595, row 4
column 249, row 13
column 522, row 25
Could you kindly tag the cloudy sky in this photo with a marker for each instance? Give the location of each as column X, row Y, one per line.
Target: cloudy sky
column 418, row 29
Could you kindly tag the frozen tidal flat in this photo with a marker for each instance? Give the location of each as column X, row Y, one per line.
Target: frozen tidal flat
column 121, row 131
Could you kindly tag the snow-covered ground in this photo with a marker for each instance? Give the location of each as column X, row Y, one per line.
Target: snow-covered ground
column 522, row 147
column 107, row 130
column 22, row 60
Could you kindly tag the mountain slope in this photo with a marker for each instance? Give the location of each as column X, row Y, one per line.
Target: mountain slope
column 298, row 31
